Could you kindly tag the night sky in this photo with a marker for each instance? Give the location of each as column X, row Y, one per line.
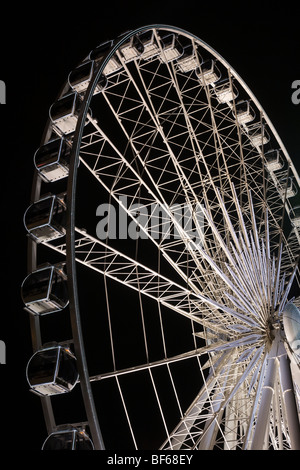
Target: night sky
column 39, row 48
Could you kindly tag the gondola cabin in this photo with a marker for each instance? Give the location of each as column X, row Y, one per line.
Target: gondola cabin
column 287, row 187
column 189, row 60
column 45, row 291
column 208, row 73
column 45, row 219
column 274, row 160
column 171, row 48
column 52, row 371
column 225, row 91
column 64, row 112
column 258, row 135
column 149, row 42
column 80, row 78
column 52, row 160
column 291, row 323
column 99, row 54
column 132, row 49
column 244, row 112
column 295, row 216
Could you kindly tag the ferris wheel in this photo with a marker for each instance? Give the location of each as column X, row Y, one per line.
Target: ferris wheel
column 164, row 238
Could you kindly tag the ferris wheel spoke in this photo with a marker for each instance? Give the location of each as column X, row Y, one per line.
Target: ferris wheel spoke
column 166, row 361
column 96, row 255
column 245, row 342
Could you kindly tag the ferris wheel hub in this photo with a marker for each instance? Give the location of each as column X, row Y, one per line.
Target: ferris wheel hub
column 270, row 333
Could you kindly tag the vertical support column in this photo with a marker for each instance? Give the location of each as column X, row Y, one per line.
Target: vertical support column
column 288, row 393
column 262, row 422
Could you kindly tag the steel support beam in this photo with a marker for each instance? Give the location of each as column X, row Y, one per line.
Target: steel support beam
column 288, row 393
column 262, row 422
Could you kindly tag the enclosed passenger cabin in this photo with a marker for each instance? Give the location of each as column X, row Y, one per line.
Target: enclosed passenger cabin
column 101, row 51
column 171, row 48
column 244, row 112
column 64, row 112
column 132, row 49
column 208, row 73
column 151, row 48
column 287, row 187
column 68, row 439
column 225, row 91
column 79, row 78
column 45, row 219
column 52, row 371
column 52, row 160
column 258, row 135
column 274, row 160
column 295, row 216
column 291, row 323
column 45, row 290
column 189, row 60
column 99, row 54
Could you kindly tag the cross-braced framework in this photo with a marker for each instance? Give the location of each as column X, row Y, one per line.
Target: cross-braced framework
column 203, row 253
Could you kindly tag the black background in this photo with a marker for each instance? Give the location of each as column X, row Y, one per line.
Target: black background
column 40, row 44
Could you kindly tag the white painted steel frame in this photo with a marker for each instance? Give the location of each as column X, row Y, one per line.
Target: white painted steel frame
column 183, row 145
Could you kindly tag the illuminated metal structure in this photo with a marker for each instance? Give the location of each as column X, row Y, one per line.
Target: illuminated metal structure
column 157, row 117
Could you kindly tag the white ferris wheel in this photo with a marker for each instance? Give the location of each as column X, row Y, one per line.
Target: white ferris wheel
column 164, row 239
